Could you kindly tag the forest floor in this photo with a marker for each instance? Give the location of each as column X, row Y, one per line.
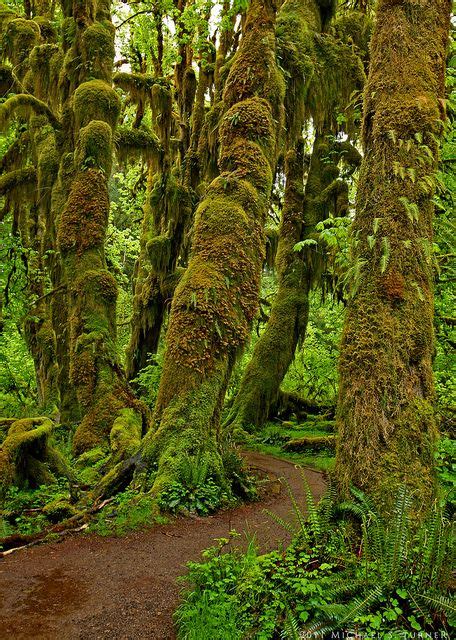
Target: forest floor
column 89, row 587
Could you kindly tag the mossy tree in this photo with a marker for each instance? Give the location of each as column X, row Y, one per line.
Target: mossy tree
column 315, row 89
column 386, row 425
column 216, row 299
column 178, row 108
column 91, row 108
column 28, row 47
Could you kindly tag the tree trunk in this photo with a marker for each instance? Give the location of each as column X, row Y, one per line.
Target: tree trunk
column 275, row 348
column 216, row 300
column 274, row 351
column 385, row 418
column 91, row 108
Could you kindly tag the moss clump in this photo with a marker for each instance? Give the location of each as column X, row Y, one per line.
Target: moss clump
column 125, row 435
column 59, row 509
column 98, row 49
column 18, row 40
column 311, row 443
column 159, row 250
column 27, row 457
column 94, row 147
column 40, row 65
column 83, row 221
column 20, row 182
column 135, row 144
column 95, row 100
column 137, row 85
column 47, row 29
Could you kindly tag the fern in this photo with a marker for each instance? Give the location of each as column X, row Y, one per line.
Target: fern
column 386, row 253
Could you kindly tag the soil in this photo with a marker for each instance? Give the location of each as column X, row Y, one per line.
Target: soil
column 88, row 587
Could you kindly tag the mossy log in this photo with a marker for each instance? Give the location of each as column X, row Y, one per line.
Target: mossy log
column 27, row 457
column 311, row 443
column 386, row 425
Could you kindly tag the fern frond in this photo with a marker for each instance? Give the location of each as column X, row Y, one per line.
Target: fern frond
column 281, row 522
column 312, row 510
column 291, row 626
column 398, row 535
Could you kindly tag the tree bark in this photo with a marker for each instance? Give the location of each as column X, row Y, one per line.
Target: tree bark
column 385, row 417
column 216, row 300
column 91, row 108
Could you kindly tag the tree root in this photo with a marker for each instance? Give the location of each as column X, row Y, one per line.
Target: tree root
column 27, row 457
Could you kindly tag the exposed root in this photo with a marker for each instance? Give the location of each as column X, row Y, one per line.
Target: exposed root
column 27, row 457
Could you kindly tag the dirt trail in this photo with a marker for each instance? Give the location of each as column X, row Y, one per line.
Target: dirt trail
column 91, row 588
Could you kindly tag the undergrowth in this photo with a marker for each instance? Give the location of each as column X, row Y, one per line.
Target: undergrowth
column 347, row 569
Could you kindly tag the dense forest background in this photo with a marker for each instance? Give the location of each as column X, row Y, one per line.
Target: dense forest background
column 224, row 226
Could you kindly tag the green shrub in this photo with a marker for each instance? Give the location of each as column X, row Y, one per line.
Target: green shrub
column 347, row 569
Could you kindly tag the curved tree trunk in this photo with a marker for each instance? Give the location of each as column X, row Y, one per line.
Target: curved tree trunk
column 274, row 350
column 386, row 425
column 216, row 300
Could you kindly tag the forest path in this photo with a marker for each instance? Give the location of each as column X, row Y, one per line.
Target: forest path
column 94, row 588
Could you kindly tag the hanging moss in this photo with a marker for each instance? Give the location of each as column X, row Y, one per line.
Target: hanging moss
column 385, row 420
column 137, row 85
column 25, row 104
column 68, row 31
column 8, row 81
column 296, row 25
column 339, row 72
column 40, row 65
column 47, row 29
column 98, row 49
column 159, row 250
column 95, row 100
column 18, row 183
column 354, row 27
column 20, row 36
column 136, row 144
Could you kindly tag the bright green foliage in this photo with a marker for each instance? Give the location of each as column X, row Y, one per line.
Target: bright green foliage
column 23, row 510
column 384, row 580
column 126, row 512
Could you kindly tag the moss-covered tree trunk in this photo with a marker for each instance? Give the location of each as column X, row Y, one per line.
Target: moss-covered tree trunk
column 274, row 351
column 386, row 425
column 216, row 299
column 275, row 348
column 91, row 109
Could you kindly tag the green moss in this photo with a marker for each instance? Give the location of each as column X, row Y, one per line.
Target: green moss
column 40, row 65
column 95, row 100
column 159, row 250
column 47, row 29
column 135, row 144
column 83, row 221
column 26, row 456
column 94, row 147
column 125, row 435
column 20, row 182
column 19, row 39
column 216, row 298
column 98, row 49
column 59, row 509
